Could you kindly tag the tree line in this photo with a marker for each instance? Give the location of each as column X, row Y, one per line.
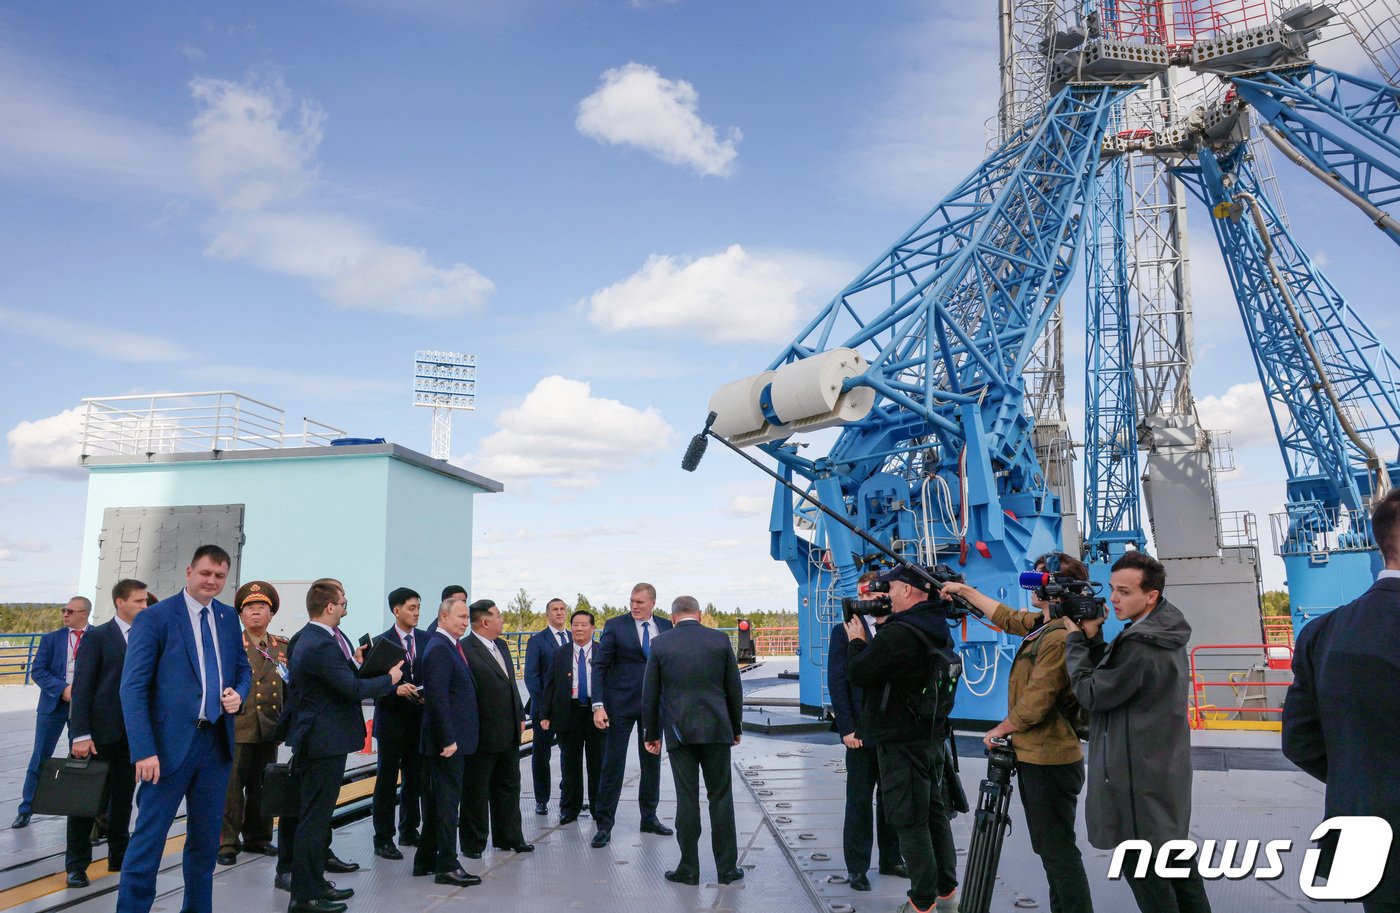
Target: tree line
column 521, row 615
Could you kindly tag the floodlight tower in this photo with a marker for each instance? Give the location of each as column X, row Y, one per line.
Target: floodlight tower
column 444, row 382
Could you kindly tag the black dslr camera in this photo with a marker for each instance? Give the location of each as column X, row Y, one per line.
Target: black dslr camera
column 1075, row 599
column 878, row 602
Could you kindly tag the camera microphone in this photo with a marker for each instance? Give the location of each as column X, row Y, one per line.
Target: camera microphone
column 1032, row 579
column 696, row 451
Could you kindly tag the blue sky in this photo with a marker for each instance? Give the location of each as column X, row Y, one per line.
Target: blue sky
column 616, row 206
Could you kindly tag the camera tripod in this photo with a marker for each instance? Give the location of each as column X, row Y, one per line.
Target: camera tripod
column 990, row 824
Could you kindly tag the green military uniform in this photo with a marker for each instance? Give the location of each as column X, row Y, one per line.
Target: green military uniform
column 255, row 746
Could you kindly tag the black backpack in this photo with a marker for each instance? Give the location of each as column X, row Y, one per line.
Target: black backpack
column 936, row 700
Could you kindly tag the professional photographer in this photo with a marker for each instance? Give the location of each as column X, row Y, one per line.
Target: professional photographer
column 907, row 697
column 1135, row 690
column 1040, row 724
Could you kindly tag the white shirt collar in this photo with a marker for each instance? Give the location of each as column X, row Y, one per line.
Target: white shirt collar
column 450, row 639
column 1388, row 572
column 193, row 604
column 121, row 625
column 558, row 630
column 490, row 643
column 398, row 629
column 325, row 627
column 685, row 620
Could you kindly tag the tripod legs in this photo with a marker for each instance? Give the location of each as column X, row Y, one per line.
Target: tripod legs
column 989, row 826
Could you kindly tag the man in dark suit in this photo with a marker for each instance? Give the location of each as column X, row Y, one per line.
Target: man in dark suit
column 185, row 676
column 327, row 725
column 491, row 787
column 539, row 656
column 566, row 712
column 398, row 723
column 98, row 730
column 619, row 665
column 449, row 734
column 52, row 671
column 255, row 744
column 692, row 682
column 860, row 827
column 1338, row 719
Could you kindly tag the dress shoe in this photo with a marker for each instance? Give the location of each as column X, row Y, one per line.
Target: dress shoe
column 519, row 848
column 569, row 818
column 387, row 851
column 682, row 877
column 860, row 882
column 601, row 839
column 316, row 906
column 262, row 849
column 408, row 837
column 458, row 877
column 330, row 892
column 226, row 858
column 21, row 820
column 339, row 866
column 78, row 880
column 114, row 864
column 731, row 876
column 898, row 869
column 283, row 881
column 654, row 826
column 541, row 808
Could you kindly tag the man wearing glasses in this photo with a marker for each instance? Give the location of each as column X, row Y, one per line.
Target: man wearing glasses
column 52, row 671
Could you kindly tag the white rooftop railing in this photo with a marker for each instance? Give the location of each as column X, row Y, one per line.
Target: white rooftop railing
column 192, row 423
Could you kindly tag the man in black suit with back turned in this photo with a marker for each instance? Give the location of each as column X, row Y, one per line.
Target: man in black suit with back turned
column 99, row 730
column 491, row 785
column 449, row 735
column 398, row 722
column 566, row 712
column 327, row 725
column 693, row 677
column 1338, row 720
column 619, row 665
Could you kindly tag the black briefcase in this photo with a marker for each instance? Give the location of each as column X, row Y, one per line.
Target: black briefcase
column 281, row 793
column 71, row 787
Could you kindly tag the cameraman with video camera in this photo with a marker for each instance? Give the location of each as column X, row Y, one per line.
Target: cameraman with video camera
column 1040, row 722
column 908, row 678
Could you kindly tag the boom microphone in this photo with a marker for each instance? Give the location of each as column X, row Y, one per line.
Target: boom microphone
column 1032, row 579
column 696, row 451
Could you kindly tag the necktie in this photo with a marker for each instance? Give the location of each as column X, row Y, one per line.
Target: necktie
column 461, row 652
column 582, row 676
column 560, row 635
column 211, row 668
column 408, row 646
column 500, row 660
column 646, row 639
column 77, row 642
column 344, row 647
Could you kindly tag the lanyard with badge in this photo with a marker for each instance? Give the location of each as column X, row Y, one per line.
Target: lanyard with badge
column 281, row 666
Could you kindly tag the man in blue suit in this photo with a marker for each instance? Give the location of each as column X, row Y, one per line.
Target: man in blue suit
column 619, row 667
column 539, row 660
column 186, row 674
column 52, row 671
column 398, row 720
column 450, row 733
column 1339, row 716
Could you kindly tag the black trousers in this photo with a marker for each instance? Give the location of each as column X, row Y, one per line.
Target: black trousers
column 442, row 796
column 321, row 779
column 619, row 733
column 1050, row 797
column 580, row 742
column 865, row 823
column 116, row 799
column 543, row 741
column 398, row 784
column 243, row 801
column 688, row 762
column 1155, row 894
column 911, row 781
column 491, row 800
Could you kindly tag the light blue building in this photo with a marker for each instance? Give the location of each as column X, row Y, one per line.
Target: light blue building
column 173, row 471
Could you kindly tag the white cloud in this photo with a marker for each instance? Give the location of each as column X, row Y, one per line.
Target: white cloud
column 51, row 445
column 727, row 297
column 750, row 505
column 1242, row 410
column 85, row 336
column 634, row 105
column 561, row 432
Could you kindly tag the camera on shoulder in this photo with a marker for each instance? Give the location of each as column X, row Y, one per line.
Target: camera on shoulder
column 874, row 599
column 1068, row 597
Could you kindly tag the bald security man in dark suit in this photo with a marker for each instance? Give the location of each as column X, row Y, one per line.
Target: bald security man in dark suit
column 692, row 678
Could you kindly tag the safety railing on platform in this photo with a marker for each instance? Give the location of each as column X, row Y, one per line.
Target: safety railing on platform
column 1306, row 528
column 1205, row 715
column 16, row 657
column 192, row 423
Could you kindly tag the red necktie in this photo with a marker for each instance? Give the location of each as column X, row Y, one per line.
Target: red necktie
column 460, row 652
column 77, row 642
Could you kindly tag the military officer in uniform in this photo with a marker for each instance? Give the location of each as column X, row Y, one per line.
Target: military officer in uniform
column 255, row 743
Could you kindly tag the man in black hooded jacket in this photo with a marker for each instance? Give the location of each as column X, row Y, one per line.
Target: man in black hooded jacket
column 894, row 669
column 1135, row 690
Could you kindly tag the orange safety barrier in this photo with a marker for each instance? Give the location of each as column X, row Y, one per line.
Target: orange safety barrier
column 1198, row 710
column 775, row 641
column 369, row 737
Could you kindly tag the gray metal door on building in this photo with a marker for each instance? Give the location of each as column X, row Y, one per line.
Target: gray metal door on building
column 155, row 544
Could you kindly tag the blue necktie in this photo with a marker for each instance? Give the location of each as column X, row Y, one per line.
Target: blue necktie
column 560, row 635
column 646, row 639
column 582, row 675
column 211, row 668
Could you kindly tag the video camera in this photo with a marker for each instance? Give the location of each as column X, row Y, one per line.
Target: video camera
column 879, row 606
column 1075, row 599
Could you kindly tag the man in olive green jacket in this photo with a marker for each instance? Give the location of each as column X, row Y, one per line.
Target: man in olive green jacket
column 1049, row 759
